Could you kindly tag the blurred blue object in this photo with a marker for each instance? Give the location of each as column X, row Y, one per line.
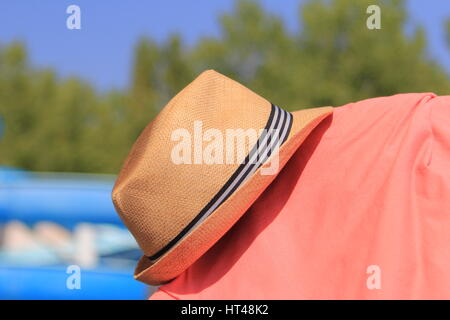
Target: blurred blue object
column 39, row 256
column 50, row 283
column 67, row 199
column 63, row 198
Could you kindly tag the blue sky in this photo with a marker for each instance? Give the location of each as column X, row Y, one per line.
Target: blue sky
column 101, row 51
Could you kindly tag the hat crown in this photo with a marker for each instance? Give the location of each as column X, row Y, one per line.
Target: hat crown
column 160, row 188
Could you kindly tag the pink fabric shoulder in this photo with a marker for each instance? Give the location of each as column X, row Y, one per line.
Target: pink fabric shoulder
column 362, row 211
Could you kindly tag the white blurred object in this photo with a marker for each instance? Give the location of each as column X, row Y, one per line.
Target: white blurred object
column 20, row 247
column 17, row 237
column 85, row 251
column 48, row 243
column 52, row 234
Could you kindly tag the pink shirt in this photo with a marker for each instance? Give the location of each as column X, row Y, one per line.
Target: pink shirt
column 361, row 211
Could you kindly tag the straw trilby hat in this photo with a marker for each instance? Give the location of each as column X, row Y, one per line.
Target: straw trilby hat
column 177, row 210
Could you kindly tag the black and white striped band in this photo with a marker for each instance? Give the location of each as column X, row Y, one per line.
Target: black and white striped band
column 272, row 137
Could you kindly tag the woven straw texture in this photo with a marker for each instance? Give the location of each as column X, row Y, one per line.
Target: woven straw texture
column 156, row 198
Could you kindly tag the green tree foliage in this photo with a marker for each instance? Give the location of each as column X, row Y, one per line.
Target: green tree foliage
column 333, row 59
column 447, row 32
column 55, row 124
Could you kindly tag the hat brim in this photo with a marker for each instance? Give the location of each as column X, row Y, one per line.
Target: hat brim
column 201, row 239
